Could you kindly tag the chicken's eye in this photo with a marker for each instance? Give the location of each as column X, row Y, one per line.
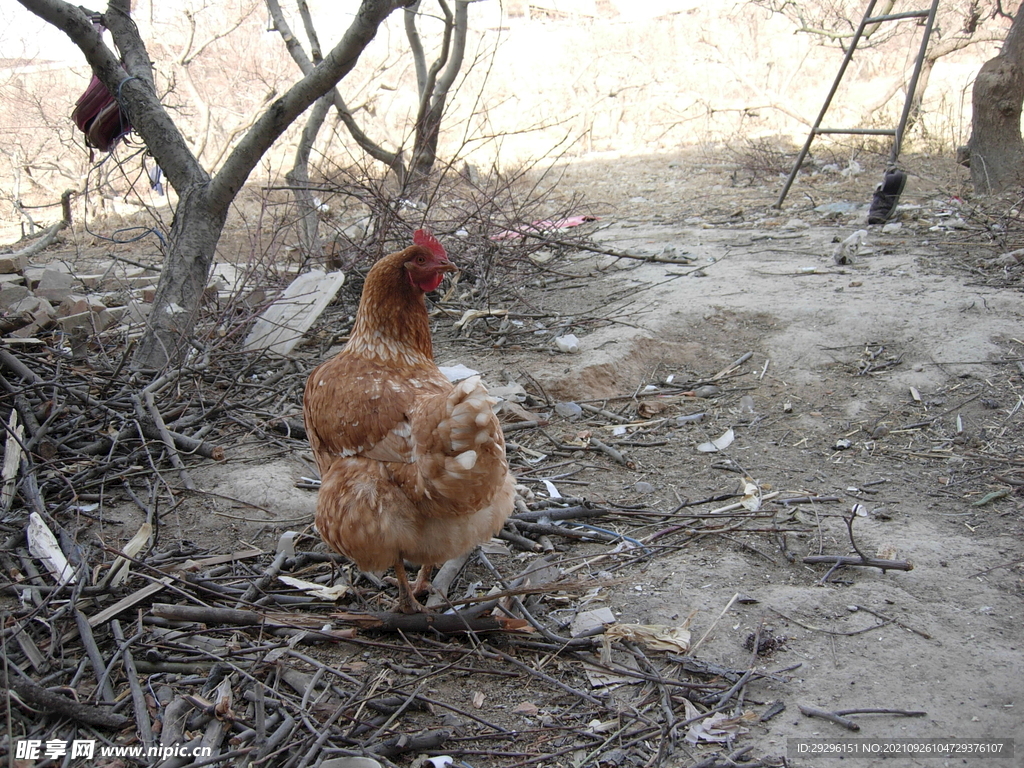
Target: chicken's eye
column 421, row 260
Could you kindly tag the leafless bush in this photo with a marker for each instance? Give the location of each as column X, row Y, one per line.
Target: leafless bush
column 763, row 158
column 484, row 218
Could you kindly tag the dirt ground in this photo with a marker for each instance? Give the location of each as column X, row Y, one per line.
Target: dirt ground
column 768, row 284
column 893, row 382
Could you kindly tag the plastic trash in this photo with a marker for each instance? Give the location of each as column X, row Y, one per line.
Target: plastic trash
column 568, row 343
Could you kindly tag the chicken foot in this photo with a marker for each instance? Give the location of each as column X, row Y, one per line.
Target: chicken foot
column 407, row 602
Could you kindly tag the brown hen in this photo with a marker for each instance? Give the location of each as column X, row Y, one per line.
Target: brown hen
column 412, row 466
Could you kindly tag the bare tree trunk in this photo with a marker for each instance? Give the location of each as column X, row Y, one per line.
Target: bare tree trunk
column 434, row 86
column 996, row 147
column 298, row 180
column 192, row 243
column 204, row 201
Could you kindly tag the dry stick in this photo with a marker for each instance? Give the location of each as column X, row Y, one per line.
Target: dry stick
column 664, row 699
column 724, row 698
column 182, row 442
column 517, row 589
column 322, row 737
column 213, row 736
column 172, row 730
column 995, row 568
column 93, row 652
column 882, row 711
column 561, row 513
column 205, row 615
column 606, row 251
column 546, row 678
column 444, row 578
column 897, row 622
column 868, row 562
column 521, row 542
column 828, row 631
column 142, row 720
column 938, row 416
column 701, row 667
column 615, row 736
column 808, row 499
column 732, row 366
column 523, row 425
column 164, row 437
column 280, row 734
column 42, row 243
column 648, row 678
column 395, row 715
column 574, row 748
column 616, row 455
column 569, row 533
column 31, row 650
column 731, row 759
column 834, row 717
column 264, row 580
column 443, row 623
column 128, row 601
column 739, row 504
column 695, row 646
column 548, row 634
column 306, row 685
column 419, row 742
column 50, row 701
column 607, row 414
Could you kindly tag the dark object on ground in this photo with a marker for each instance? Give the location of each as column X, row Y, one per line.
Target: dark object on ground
column 887, row 194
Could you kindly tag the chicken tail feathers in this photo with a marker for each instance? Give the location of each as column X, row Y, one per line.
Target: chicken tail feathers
column 474, row 464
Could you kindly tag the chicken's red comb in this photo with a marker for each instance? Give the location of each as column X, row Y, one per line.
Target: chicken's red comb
column 428, row 241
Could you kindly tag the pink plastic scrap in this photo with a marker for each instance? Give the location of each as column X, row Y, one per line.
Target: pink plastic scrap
column 541, row 226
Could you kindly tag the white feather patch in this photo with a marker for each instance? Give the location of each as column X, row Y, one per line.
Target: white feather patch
column 466, row 459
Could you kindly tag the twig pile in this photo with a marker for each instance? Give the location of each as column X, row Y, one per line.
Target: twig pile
column 173, row 649
column 235, row 669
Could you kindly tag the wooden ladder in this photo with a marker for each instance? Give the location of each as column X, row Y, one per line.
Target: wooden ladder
column 897, row 132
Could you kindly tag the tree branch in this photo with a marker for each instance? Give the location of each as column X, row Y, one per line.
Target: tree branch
column 392, row 160
column 430, row 81
column 458, row 50
column 314, row 41
column 272, row 123
column 136, row 92
column 419, row 58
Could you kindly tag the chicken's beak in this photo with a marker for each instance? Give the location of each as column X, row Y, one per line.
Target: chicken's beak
column 445, row 266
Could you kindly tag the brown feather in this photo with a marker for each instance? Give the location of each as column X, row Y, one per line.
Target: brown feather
column 412, row 466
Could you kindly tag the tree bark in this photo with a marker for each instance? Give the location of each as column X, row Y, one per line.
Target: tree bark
column 996, row 147
column 203, row 200
column 192, row 242
column 434, row 85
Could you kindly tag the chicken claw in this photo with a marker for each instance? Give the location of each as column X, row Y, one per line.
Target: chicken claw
column 407, row 602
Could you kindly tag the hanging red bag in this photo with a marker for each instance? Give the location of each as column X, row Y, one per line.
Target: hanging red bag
column 98, row 115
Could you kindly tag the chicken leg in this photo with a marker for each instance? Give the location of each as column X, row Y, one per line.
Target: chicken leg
column 407, row 602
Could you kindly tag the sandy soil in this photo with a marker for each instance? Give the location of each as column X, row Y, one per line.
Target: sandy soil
column 768, row 283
